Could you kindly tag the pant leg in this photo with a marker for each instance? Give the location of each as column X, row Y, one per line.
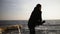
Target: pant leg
column 31, row 29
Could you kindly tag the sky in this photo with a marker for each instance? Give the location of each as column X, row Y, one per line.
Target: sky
column 22, row 9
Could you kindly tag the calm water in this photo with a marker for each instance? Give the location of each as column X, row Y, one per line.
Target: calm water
column 50, row 27
column 12, row 22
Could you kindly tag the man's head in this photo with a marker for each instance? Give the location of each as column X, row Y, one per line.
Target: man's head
column 38, row 6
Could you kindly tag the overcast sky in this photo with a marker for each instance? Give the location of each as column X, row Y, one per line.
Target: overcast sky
column 21, row 9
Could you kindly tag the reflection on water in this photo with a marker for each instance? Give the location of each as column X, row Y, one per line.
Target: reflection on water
column 39, row 30
column 45, row 29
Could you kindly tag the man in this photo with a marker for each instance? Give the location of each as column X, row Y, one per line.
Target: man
column 35, row 19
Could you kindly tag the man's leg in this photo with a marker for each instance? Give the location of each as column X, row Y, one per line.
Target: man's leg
column 32, row 30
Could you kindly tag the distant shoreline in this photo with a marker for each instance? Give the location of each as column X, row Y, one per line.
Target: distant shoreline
column 26, row 20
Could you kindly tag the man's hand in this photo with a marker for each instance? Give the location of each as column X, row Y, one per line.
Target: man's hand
column 43, row 21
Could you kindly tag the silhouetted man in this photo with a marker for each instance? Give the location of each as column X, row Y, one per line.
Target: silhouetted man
column 35, row 19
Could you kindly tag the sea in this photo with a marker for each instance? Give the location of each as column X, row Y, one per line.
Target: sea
column 49, row 27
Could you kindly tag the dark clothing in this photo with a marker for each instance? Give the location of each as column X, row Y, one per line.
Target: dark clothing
column 35, row 20
column 35, row 17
